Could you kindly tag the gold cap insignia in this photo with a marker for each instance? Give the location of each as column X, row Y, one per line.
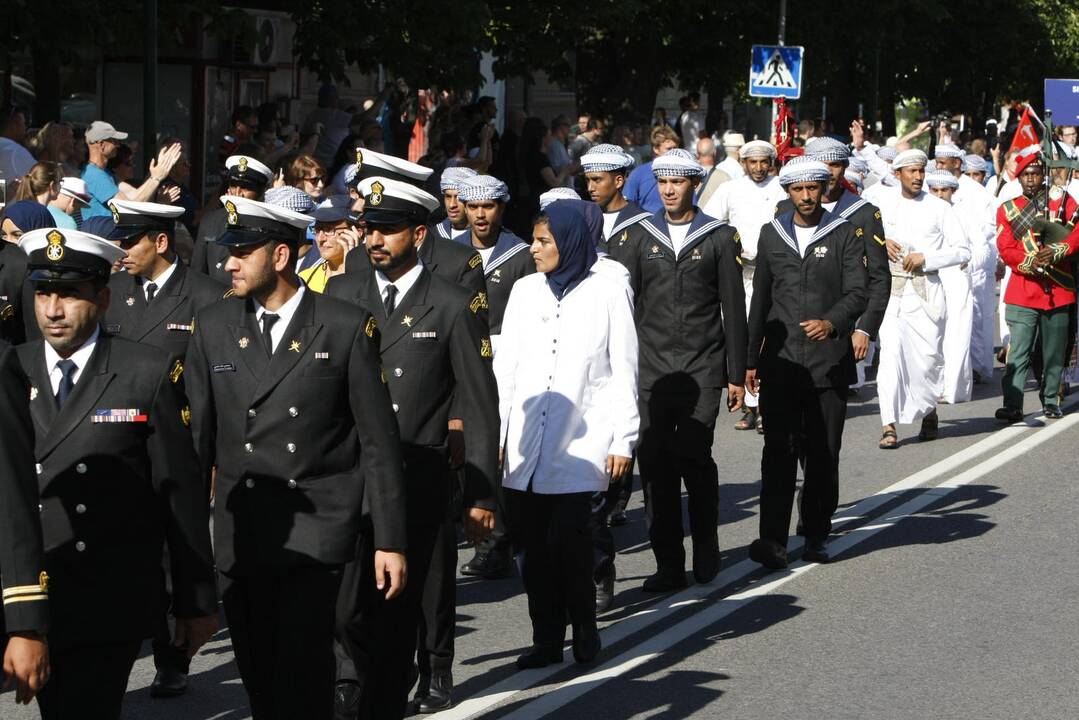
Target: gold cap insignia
column 242, row 164
column 176, row 372
column 233, row 216
column 359, row 159
column 485, row 348
column 376, row 194
column 115, row 213
column 55, row 250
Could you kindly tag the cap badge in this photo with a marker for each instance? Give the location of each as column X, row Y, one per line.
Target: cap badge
column 115, row 213
column 55, row 250
column 242, row 164
column 359, row 159
column 376, row 193
column 233, row 216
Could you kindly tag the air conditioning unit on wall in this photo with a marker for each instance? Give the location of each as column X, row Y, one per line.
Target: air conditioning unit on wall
column 267, row 47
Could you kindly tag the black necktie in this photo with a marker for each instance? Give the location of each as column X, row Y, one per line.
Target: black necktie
column 391, row 299
column 151, row 290
column 268, row 320
column 67, row 381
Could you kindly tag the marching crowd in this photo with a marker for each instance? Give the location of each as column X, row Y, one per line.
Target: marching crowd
column 349, row 369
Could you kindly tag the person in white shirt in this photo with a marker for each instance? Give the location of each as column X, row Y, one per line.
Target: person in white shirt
column 980, row 225
column 732, row 164
column 923, row 235
column 567, row 385
column 15, row 160
column 691, row 122
column 748, row 203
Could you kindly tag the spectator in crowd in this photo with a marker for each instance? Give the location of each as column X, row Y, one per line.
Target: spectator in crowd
column 42, row 183
column 335, row 235
column 180, row 179
column 243, row 126
column 557, row 153
column 713, row 176
column 306, row 173
column 480, row 147
column 537, row 174
column 56, row 143
column 104, row 142
column 1067, row 134
column 122, row 168
column 691, row 123
column 641, row 186
column 15, row 160
column 659, row 117
column 591, row 136
column 23, row 216
column 732, row 161
column 71, row 199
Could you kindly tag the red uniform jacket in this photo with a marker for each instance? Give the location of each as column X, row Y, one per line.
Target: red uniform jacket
column 1028, row 288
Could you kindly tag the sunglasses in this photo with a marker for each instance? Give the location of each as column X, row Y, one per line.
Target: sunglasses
column 315, row 179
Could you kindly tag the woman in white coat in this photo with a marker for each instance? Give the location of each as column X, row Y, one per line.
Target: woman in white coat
column 567, row 383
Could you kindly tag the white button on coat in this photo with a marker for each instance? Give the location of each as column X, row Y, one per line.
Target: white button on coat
column 80, row 546
column 80, row 509
column 81, row 468
column 249, row 483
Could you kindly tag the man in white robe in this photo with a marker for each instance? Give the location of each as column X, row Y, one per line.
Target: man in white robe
column 923, row 235
column 980, row 223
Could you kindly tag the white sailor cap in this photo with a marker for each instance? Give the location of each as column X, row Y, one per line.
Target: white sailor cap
column 757, row 148
column 947, row 150
column 910, row 158
column 56, row 255
column 135, row 219
column 290, row 198
column 247, row 172
column 251, row 222
column 452, row 177
column 887, row 153
column 827, row 150
column 75, row 187
column 974, row 163
column 804, row 169
column 393, row 202
column 558, row 193
column 733, row 139
column 941, row 178
column 375, row 164
column 677, row 163
column 483, row 187
column 606, row 157
column 333, row 209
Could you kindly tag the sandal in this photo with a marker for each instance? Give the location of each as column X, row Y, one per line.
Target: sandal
column 889, row 440
column 760, row 424
column 930, row 425
column 748, row 421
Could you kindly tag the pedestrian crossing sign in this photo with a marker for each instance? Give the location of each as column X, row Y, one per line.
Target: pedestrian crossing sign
column 776, row 71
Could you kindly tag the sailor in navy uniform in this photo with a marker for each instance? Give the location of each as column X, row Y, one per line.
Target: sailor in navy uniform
column 809, row 290
column 686, row 276
column 453, row 260
column 119, row 483
column 245, row 177
column 605, row 169
column 505, row 260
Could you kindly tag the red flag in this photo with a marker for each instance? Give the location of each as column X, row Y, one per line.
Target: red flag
column 783, row 133
column 1025, row 134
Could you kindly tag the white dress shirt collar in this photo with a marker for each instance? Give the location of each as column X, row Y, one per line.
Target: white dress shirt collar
column 161, row 279
column 283, row 313
column 80, row 357
column 403, row 283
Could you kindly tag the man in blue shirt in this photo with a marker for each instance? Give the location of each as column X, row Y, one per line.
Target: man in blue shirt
column 641, row 184
column 103, row 140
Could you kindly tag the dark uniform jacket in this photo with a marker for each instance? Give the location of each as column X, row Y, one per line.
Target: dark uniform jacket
column 865, row 218
column 167, row 322
column 290, row 434
column 690, row 309
column 436, row 355
column 118, row 479
column 22, row 577
column 509, row 262
column 208, row 257
column 829, row 283
column 453, row 261
column 16, row 296
column 630, row 214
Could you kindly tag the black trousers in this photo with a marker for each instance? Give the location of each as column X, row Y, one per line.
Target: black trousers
column 282, row 627
column 803, row 421
column 167, row 655
column 438, row 615
column 553, row 534
column 603, row 550
column 88, row 681
column 379, row 636
column 677, row 429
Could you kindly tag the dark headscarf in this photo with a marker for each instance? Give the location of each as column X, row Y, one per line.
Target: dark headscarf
column 576, row 248
column 29, row 215
column 593, row 216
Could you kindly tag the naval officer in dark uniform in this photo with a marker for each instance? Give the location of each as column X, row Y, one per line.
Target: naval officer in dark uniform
column 436, row 355
column 118, row 479
column 24, row 582
column 245, row 177
column 289, row 404
column 155, row 302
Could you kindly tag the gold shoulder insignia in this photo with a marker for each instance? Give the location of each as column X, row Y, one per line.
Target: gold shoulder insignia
column 370, row 327
column 228, row 293
column 359, row 159
column 7, row 312
column 185, row 415
column 877, row 215
column 880, row 241
column 43, row 581
column 176, row 372
column 858, row 232
column 737, row 237
column 478, row 303
column 485, row 348
column 865, row 261
column 475, row 261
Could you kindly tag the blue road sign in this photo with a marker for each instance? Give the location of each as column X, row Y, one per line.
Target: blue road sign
column 1062, row 99
column 776, row 71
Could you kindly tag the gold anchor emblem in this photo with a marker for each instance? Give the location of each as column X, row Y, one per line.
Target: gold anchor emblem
column 243, row 343
column 294, row 346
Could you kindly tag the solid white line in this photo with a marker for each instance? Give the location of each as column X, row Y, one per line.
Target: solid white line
column 522, row 680
column 645, row 651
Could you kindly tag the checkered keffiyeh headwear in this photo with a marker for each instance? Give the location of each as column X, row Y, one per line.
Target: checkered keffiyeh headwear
column 605, row 158
column 803, row 169
column 290, row 198
column 941, row 178
column 974, row 163
column 483, row 187
column 677, row 163
column 887, row 154
column 558, row 193
column 452, row 177
column 827, row 150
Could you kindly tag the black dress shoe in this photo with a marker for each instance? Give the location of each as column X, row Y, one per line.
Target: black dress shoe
column 1052, row 411
column 438, row 697
column 487, row 565
column 586, row 643
column 617, row 519
column 423, row 687
column 605, row 593
column 539, row 657
column 1010, row 415
column 705, row 564
column 168, row 682
column 346, row 700
column 816, row 551
column 665, row 581
column 768, row 554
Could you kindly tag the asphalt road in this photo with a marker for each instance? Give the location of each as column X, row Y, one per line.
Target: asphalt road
column 952, row 596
